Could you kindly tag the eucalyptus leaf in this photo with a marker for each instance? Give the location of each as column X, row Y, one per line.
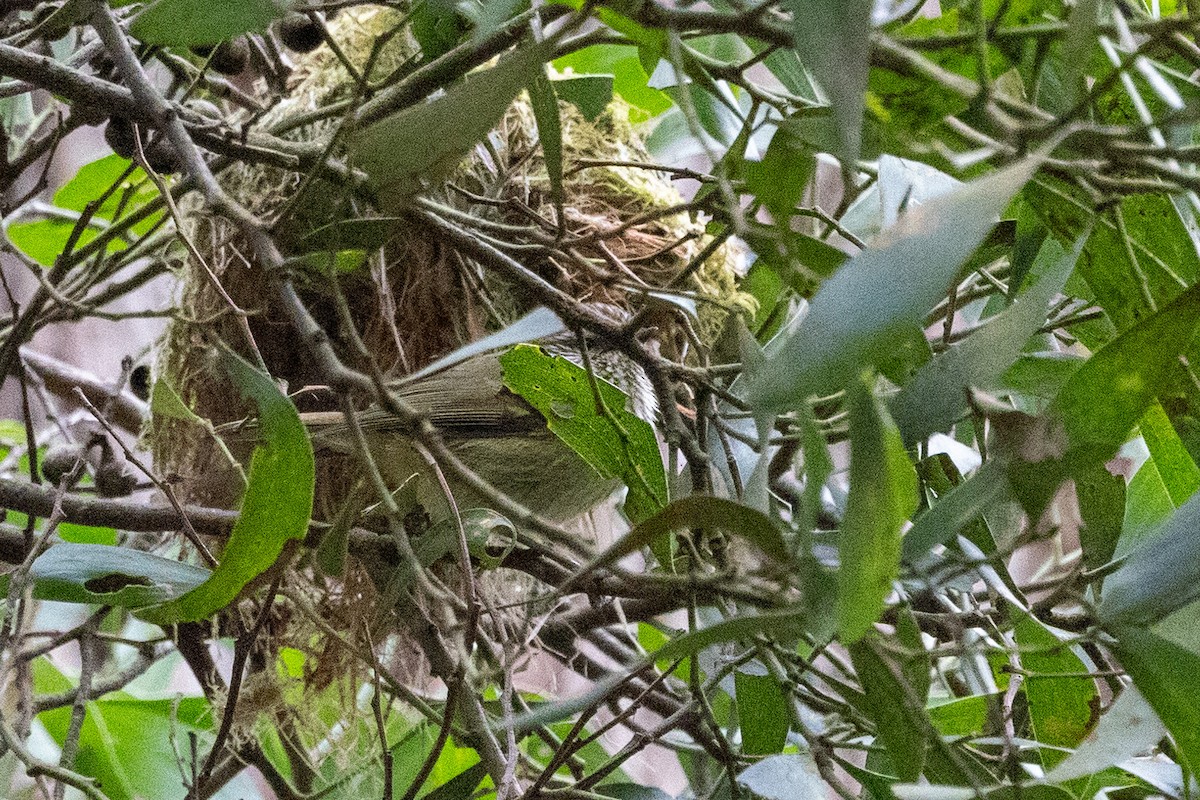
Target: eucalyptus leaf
column 275, row 508
column 200, row 22
column 885, row 289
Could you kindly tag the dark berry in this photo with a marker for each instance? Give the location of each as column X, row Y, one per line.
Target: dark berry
column 120, row 137
column 231, row 57
column 115, row 479
column 60, row 460
column 299, row 33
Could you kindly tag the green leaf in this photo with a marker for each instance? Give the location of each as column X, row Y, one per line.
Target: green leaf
column 763, row 713
column 884, row 290
column 131, row 746
column 1169, row 678
column 1160, row 576
column 545, row 111
column 426, row 141
column 699, row 511
column 883, row 495
column 834, row 38
column 1128, row 728
column 1101, row 497
column 1179, row 472
column 780, row 178
column 784, row 777
column 591, row 94
column 115, row 576
column 1061, row 701
column 894, row 707
column 199, row 22
column 630, row 80
column 275, row 508
column 937, row 396
column 1101, row 402
column 614, row 441
column 369, row 233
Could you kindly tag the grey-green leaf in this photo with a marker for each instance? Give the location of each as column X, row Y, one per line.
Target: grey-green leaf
column 884, row 291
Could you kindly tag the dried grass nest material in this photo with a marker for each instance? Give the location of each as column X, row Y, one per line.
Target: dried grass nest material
column 420, row 298
column 416, row 300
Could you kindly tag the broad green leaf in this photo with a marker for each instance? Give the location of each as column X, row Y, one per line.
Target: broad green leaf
column 614, row 441
column 937, row 396
column 275, row 508
column 1147, row 506
column 1160, row 576
column 1179, row 472
column 780, row 178
column 834, row 39
column 1061, row 701
column 962, row 716
column 86, row 534
column 630, row 80
column 1101, row 402
column 894, row 707
column 132, row 746
column 884, row 290
column 1101, row 497
column 115, row 576
column 199, row 22
column 762, row 712
column 426, row 141
column 1128, row 728
column 591, row 94
column 784, row 777
column 462, row 786
column 883, row 495
column 1168, row 676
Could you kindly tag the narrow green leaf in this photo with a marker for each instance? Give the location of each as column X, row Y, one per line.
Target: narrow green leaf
column 1101, row 402
column 275, row 509
column 115, row 576
column 894, row 707
column 883, row 495
column 762, row 711
column 884, row 290
column 937, row 396
column 426, row 141
column 198, row 22
column 1061, row 701
column 1179, row 472
column 1168, row 676
column 545, row 111
column 614, row 441
column 699, row 511
column 834, row 39
column 1160, row 576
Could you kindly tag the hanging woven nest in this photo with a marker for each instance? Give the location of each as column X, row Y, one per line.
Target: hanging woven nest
column 417, row 298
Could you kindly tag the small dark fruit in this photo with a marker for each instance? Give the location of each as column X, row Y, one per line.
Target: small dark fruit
column 231, row 57
column 114, row 479
column 300, row 33
column 203, row 50
column 139, row 382
column 161, row 157
column 60, row 460
column 120, row 137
